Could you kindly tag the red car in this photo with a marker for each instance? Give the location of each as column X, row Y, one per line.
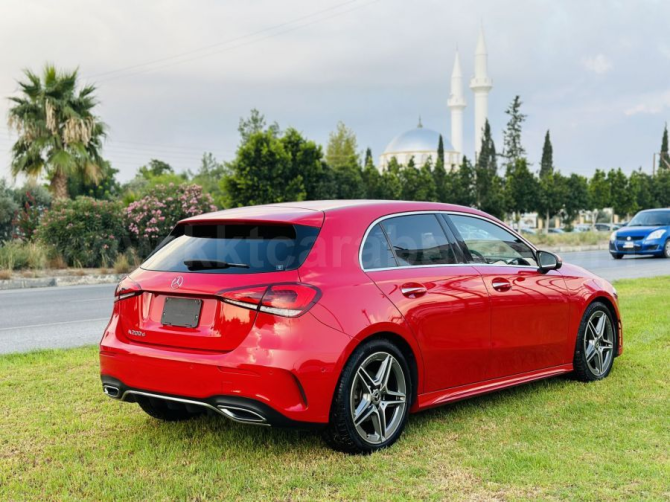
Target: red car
column 348, row 315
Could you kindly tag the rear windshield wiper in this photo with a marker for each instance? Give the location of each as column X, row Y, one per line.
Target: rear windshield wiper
column 212, row 264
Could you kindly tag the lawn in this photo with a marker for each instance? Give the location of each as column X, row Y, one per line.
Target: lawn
column 60, row 437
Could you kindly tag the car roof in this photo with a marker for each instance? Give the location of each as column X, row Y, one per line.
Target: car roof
column 312, row 213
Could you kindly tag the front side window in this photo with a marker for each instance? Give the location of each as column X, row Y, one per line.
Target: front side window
column 419, row 240
column 489, row 243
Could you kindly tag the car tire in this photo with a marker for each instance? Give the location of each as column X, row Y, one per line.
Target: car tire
column 165, row 410
column 371, row 401
column 617, row 256
column 596, row 344
column 666, row 249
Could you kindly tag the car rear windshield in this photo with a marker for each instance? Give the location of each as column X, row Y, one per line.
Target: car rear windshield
column 651, row 219
column 233, row 248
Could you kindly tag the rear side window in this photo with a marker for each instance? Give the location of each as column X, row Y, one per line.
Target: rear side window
column 376, row 250
column 419, row 240
column 233, row 248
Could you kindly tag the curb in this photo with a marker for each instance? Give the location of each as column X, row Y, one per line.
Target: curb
column 45, row 282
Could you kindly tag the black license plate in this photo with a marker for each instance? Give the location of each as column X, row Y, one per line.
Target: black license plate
column 181, row 312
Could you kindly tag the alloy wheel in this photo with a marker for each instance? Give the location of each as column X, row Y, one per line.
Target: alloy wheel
column 378, row 398
column 599, row 343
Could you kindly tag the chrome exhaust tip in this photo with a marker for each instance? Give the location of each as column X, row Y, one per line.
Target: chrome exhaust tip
column 111, row 391
column 242, row 415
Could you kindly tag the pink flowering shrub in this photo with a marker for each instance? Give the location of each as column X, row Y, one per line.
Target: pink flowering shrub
column 85, row 231
column 150, row 220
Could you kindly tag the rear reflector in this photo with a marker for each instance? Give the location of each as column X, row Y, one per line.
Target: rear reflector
column 286, row 300
column 127, row 288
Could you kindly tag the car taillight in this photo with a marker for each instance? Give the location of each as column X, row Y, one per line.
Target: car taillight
column 127, row 288
column 286, row 300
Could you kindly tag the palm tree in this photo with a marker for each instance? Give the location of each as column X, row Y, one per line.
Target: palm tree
column 58, row 133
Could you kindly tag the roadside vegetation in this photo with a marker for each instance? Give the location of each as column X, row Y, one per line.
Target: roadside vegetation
column 569, row 239
column 61, row 438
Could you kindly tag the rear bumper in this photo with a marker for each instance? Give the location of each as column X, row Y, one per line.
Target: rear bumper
column 238, row 409
column 287, row 369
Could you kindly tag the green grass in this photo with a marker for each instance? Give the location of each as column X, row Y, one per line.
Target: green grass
column 61, row 438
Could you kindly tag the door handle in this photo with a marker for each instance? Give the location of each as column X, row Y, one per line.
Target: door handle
column 413, row 289
column 500, row 284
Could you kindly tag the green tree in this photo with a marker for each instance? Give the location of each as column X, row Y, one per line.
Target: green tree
column 391, row 181
column 255, row 123
column 664, row 159
column 552, row 195
column 662, row 188
column 342, row 156
column 547, row 162
column 270, row 168
column 642, row 188
column 622, row 197
column 521, row 190
column 462, row 182
column 59, row 135
column 428, row 179
column 599, row 191
column 577, row 188
column 488, row 185
column 306, row 159
column 8, row 209
column 261, row 173
column 372, row 178
column 208, row 177
column 155, row 168
column 513, row 149
column 106, row 187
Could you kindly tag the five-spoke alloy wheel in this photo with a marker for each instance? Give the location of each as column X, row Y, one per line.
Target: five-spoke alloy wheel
column 378, row 397
column 596, row 344
column 372, row 399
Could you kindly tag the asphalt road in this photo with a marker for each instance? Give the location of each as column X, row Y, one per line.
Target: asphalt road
column 72, row 316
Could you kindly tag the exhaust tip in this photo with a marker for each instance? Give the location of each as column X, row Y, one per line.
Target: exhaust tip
column 243, row 415
column 111, row 391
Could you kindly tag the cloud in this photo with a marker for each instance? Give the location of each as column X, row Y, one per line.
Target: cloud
column 598, row 64
column 651, row 104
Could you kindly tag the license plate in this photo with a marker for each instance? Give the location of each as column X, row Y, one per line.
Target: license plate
column 628, row 245
column 181, row 312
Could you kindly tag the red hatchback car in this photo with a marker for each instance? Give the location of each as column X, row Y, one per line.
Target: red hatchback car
column 348, row 315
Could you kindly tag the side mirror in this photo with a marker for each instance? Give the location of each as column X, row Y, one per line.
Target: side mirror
column 548, row 261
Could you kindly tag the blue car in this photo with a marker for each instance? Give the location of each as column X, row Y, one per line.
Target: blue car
column 648, row 233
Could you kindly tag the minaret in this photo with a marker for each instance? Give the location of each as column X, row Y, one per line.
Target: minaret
column 456, row 103
column 481, row 84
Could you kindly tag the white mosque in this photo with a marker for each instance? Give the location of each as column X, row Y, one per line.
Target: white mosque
column 421, row 143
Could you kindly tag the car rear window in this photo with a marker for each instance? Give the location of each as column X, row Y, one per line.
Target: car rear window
column 233, row 248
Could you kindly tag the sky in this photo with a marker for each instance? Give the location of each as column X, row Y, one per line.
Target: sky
column 174, row 77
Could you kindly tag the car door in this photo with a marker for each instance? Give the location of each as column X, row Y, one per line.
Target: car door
column 444, row 300
column 529, row 309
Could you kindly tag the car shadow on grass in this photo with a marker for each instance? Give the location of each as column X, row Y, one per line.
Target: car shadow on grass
column 221, row 432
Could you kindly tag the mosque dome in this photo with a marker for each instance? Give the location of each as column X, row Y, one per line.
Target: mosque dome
column 416, row 140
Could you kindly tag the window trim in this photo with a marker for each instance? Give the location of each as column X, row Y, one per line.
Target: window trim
column 447, row 212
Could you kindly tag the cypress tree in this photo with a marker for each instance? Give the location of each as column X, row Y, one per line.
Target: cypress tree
column 664, row 160
column 547, row 162
column 513, row 150
column 488, row 185
column 440, row 174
